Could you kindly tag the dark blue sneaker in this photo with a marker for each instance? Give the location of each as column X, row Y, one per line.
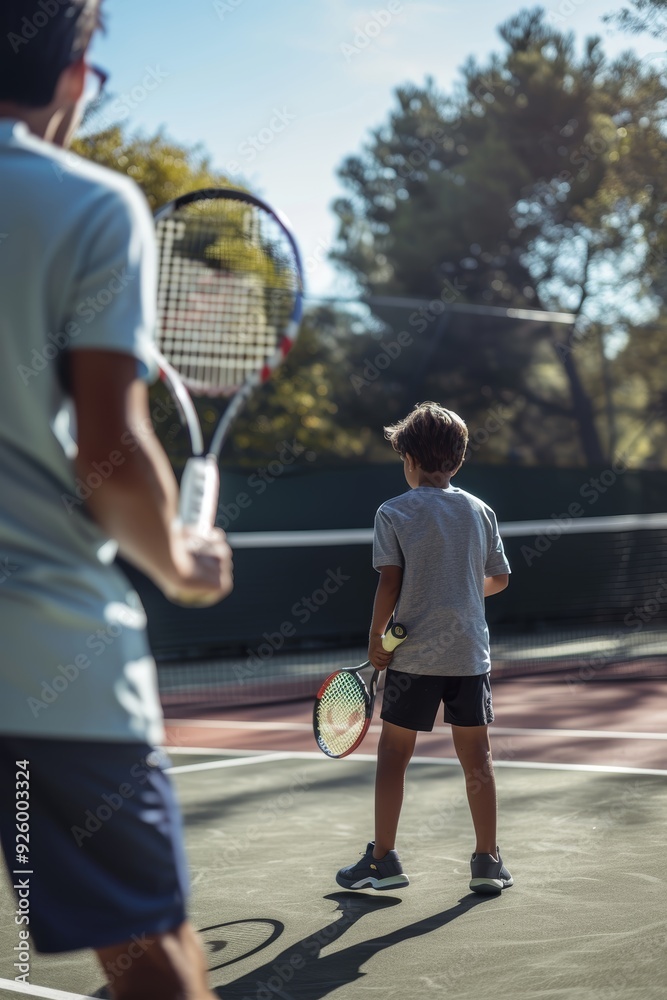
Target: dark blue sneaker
column 489, row 877
column 374, row 873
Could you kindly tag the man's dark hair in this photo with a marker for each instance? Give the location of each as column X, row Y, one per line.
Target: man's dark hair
column 38, row 40
column 435, row 437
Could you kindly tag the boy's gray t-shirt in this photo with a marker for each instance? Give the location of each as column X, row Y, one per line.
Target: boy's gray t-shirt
column 446, row 541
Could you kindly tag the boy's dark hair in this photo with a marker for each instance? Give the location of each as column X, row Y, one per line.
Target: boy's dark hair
column 435, row 437
column 39, row 40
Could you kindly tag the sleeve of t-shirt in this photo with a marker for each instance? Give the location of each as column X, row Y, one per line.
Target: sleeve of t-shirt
column 386, row 547
column 496, row 560
column 114, row 296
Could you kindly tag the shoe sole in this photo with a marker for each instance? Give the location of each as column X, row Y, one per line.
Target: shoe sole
column 392, row 882
column 489, row 886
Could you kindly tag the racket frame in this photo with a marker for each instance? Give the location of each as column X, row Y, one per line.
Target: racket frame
column 186, row 408
column 201, row 480
column 393, row 638
column 369, row 705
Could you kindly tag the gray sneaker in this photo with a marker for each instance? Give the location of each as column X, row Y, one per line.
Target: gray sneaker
column 374, row 873
column 489, row 877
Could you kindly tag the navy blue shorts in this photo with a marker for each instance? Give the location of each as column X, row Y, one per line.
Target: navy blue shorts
column 106, row 849
column 412, row 700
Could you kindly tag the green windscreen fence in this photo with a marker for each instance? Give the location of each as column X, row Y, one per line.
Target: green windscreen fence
column 587, row 599
column 567, row 418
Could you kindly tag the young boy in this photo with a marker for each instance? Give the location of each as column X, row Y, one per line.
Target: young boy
column 79, row 711
column 439, row 554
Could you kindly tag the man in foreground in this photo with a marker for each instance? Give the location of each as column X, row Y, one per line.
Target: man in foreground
column 79, row 710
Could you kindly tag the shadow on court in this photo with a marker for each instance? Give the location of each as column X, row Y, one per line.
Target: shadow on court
column 301, row 971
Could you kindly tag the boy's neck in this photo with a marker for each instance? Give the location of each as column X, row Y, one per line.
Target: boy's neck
column 439, row 480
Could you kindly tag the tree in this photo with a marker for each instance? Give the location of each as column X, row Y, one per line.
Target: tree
column 162, row 168
column 643, row 15
column 302, row 402
column 540, row 182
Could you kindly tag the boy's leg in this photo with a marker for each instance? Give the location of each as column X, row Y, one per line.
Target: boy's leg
column 394, row 752
column 159, row 967
column 473, row 749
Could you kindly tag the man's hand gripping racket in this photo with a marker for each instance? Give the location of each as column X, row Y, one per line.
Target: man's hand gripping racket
column 344, row 705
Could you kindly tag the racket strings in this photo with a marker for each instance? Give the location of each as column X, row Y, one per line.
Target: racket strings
column 341, row 714
column 228, row 282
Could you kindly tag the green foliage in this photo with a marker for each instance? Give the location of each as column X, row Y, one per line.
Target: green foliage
column 304, row 401
column 540, row 183
column 643, row 15
column 163, row 169
column 297, row 401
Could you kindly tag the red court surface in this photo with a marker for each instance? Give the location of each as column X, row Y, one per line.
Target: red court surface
column 622, row 724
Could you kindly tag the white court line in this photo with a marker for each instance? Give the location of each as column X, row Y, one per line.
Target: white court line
column 213, row 751
column 228, row 724
column 595, row 768
column 212, row 765
column 590, row 734
column 587, row 734
column 40, row 991
column 447, row 761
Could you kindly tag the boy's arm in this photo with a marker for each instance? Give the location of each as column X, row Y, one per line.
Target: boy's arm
column 494, row 584
column 137, row 502
column 386, row 596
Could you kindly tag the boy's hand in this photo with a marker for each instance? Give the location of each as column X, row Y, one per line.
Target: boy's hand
column 377, row 654
column 204, row 567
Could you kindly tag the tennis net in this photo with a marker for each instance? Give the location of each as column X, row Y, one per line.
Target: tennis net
column 587, row 602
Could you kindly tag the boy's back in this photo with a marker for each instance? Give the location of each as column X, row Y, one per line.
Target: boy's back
column 447, row 542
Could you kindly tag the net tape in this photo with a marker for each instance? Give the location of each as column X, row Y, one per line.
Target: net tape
column 592, row 606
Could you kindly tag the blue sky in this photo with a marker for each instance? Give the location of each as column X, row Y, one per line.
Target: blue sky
column 282, row 90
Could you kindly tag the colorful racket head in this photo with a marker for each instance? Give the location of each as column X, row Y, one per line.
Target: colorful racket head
column 342, row 713
column 344, row 705
column 230, row 290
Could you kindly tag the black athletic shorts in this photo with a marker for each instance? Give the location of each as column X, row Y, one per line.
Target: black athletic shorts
column 412, row 700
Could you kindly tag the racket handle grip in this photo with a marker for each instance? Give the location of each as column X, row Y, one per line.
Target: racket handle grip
column 394, row 637
column 200, row 489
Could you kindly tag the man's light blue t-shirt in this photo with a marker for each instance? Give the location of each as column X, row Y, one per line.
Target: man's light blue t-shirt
column 77, row 271
column 446, row 542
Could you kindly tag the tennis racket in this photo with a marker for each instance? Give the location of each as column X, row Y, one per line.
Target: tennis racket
column 344, row 705
column 230, row 297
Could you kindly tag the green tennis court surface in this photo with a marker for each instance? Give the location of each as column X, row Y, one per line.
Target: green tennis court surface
column 266, row 833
